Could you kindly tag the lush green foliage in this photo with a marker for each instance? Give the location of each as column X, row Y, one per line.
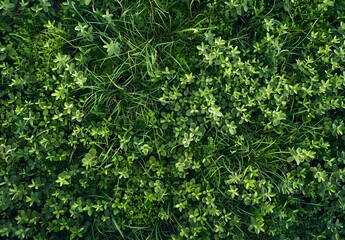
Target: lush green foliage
column 179, row 119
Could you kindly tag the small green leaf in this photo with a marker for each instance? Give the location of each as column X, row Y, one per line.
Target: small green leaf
column 113, row 48
column 93, row 152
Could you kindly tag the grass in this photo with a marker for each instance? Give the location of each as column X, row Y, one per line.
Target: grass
column 171, row 120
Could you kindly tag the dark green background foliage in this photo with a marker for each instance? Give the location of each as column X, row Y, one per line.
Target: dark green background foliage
column 179, row 119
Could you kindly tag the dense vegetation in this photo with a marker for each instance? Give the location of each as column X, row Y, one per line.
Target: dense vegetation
column 172, row 119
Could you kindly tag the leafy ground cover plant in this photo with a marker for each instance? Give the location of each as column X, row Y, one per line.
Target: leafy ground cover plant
column 172, row 119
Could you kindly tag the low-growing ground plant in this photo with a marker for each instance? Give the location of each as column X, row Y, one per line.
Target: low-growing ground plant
column 172, row 119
